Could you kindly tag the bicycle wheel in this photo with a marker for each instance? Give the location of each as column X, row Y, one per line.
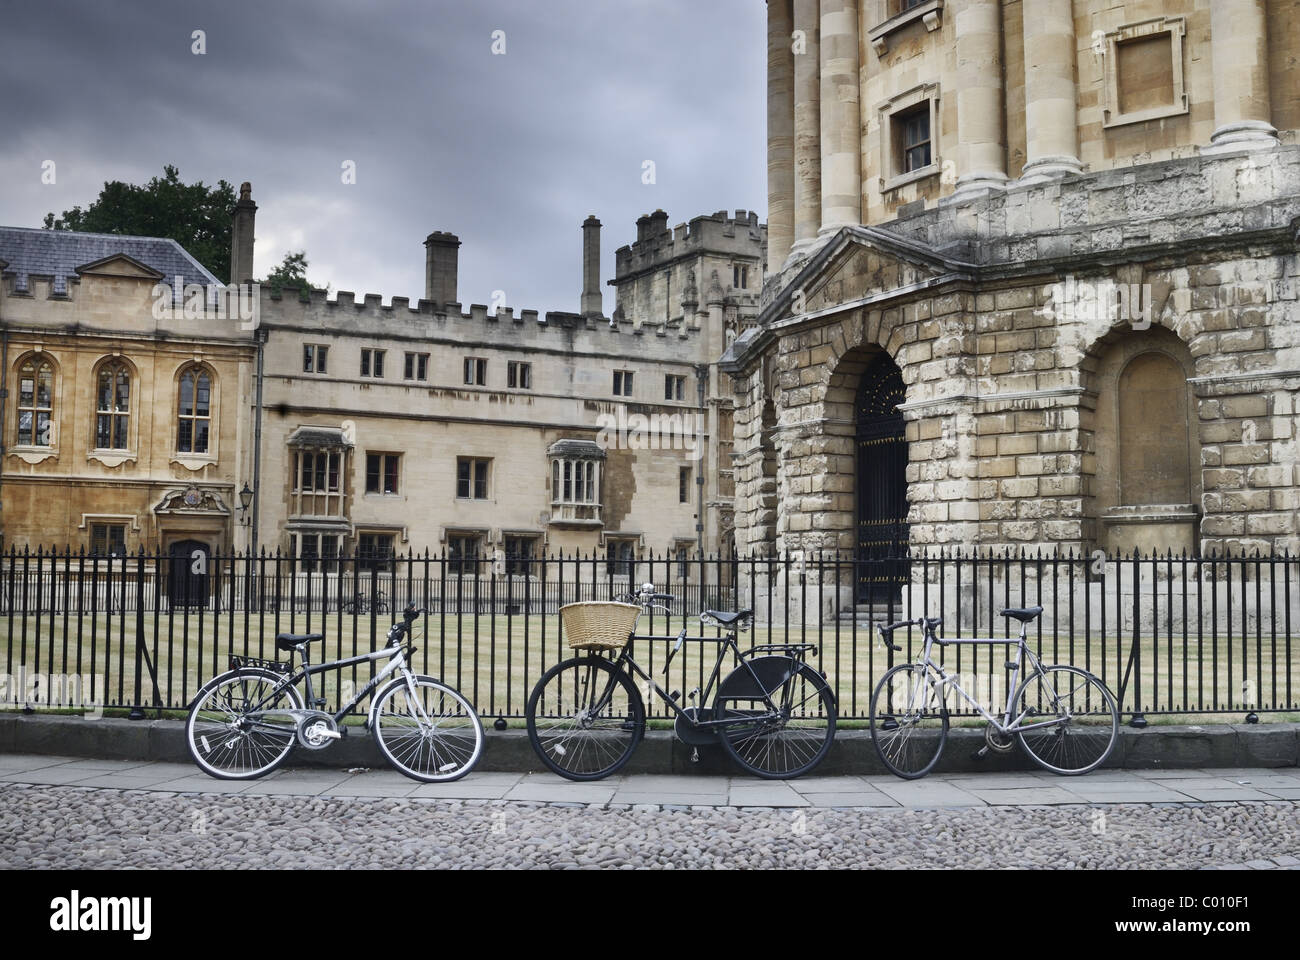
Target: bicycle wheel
column 585, row 717
column 777, row 746
column 434, row 736
column 1078, row 716
column 908, row 725
column 224, row 733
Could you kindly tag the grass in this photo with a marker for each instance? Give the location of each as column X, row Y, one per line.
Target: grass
column 496, row 660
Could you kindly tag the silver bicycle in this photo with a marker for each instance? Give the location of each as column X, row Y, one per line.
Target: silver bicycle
column 1065, row 718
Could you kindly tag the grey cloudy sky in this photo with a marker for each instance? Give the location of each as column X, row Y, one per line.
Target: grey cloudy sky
column 510, row 152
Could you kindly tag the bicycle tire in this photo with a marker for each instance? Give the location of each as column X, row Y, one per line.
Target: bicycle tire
column 749, row 747
column 563, row 743
column 893, row 745
column 205, row 736
column 1058, row 743
column 418, row 753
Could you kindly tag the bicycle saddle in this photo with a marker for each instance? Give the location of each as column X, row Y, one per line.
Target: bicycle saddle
column 288, row 641
column 1023, row 614
column 727, row 619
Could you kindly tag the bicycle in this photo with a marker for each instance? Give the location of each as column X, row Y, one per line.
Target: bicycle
column 244, row 723
column 1063, row 717
column 774, row 715
column 360, row 604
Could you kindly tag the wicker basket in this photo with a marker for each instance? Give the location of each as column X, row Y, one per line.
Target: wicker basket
column 598, row 626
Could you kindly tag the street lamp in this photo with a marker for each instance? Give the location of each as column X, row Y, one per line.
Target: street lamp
column 245, row 501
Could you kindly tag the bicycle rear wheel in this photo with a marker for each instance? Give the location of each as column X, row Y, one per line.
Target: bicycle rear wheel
column 783, row 745
column 226, row 733
column 585, row 717
column 434, row 736
column 1087, row 720
column 908, row 724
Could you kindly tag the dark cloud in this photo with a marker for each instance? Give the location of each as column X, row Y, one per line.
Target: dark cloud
column 511, row 152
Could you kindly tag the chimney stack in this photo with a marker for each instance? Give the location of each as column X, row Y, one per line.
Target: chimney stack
column 241, row 235
column 440, row 267
column 591, row 305
column 642, row 227
column 658, row 224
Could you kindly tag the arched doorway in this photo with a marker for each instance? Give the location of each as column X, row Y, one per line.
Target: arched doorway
column 882, row 482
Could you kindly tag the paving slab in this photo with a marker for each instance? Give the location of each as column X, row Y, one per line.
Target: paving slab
column 351, row 788
column 530, row 789
column 934, row 793
column 670, row 799
column 487, row 786
column 811, row 785
column 765, row 793
column 202, row 784
column 1022, row 796
column 862, row 798
column 996, row 781
column 48, row 775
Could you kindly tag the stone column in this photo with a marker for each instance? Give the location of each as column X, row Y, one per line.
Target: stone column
column 807, row 128
column 841, row 138
column 1050, row 90
column 780, row 133
column 1239, row 48
column 981, row 141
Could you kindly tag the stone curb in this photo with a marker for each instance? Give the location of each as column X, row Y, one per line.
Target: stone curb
column 1156, row 747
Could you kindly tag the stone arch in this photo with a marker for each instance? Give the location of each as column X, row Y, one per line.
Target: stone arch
column 1144, row 488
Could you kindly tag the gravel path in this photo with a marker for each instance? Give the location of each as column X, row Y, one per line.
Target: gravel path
column 44, row 826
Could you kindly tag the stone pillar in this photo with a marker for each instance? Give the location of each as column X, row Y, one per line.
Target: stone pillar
column 241, row 235
column 841, row 138
column 780, row 133
column 1239, row 48
column 440, row 257
column 981, row 141
column 1051, row 120
column 807, row 128
column 591, row 305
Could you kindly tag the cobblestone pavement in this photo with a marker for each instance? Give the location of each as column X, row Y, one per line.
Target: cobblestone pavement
column 58, row 812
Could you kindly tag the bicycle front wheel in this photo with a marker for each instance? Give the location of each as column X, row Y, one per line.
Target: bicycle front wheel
column 1072, row 720
column 585, row 717
column 427, row 730
column 229, row 732
column 908, row 725
column 781, row 743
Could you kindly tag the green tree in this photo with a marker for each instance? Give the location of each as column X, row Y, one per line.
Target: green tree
column 292, row 272
column 194, row 215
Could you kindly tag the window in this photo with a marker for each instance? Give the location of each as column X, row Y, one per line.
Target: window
column 372, row 363
column 684, row 484
column 905, row 5
column 381, row 472
column 519, row 375
column 315, row 551
column 574, row 481
column 520, row 554
column 1143, row 72
column 317, row 483
column 112, row 406
column 36, row 403
column 416, row 367
column 108, row 539
column 463, row 552
column 313, row 357
column 683, row 553
column 740, row 276
column 622, row 383
column 374, row 551
column 195, row 411
column 914, row 139
column 674, row 387
column 621, row 558
column 475, row 371
column 472, row 479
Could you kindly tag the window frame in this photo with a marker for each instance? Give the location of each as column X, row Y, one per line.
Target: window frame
column 891, row 114
column 39, row 361
column 475, row 375
column 197, row 370
column 316, row 357
column 372, row 363
column 107, row 527
column 415, row 366
column 1176, row 27
column 624, row 383
column 119, row 366
column 389, row 466
column 476, row 466
column 519, row 375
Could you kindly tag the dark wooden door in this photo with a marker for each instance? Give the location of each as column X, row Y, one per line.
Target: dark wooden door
column 187, row 582
column 882, row 483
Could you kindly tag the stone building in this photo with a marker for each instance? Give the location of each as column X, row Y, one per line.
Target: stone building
column 1032, row 279
column 508, row 434
column 124, row 415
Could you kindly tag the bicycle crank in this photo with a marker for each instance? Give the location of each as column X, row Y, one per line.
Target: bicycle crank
column 997, row 741
column 317, row 730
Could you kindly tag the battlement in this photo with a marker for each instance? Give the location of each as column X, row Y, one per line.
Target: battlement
column 657, row 245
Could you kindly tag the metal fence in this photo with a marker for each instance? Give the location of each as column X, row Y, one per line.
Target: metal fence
column 1172, row 634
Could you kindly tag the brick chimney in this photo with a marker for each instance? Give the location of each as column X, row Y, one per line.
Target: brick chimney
column 591, row 305
column 241, row 235
column 440, row 259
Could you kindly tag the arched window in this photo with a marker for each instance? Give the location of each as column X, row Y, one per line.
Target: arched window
column 112, row 406
column 36, row 403
column 194, row 416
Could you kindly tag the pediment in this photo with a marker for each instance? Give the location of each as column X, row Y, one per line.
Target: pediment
column 119, row 265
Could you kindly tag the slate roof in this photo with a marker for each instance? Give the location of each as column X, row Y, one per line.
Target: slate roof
column 58, row 253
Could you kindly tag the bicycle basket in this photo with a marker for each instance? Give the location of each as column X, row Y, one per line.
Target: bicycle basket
column 590, row 625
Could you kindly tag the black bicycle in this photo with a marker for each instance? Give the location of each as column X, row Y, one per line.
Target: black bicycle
column 774, row 714
column 362, row 604
column 245, row 722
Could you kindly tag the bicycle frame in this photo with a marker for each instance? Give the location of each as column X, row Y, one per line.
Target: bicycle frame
column 1008, row 724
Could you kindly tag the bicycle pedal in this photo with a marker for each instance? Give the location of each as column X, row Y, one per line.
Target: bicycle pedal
column 695, row 754
column 1011, row 665
column 980, row 753
column 675, row 696
column 693, row 694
